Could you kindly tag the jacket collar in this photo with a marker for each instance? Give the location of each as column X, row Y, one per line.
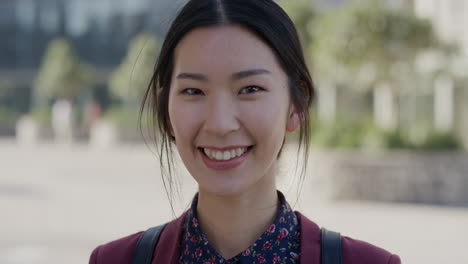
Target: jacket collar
column 310, row 240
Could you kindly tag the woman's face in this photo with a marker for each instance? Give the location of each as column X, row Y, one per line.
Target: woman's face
column 229, row 109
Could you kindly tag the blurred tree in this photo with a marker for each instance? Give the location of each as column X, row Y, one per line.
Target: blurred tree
column 367, row 45
column 302, row 13
column 128, row 81
column 365, row 42
column 61, row 74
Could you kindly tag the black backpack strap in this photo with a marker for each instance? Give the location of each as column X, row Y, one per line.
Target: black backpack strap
column 331, row 247
column 145, row 246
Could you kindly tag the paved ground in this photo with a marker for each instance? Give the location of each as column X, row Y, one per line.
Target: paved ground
column 58, row 203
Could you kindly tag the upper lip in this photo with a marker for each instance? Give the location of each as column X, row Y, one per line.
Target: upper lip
column 225, row 148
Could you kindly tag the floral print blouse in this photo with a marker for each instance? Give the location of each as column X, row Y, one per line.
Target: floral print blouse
column 279, row 244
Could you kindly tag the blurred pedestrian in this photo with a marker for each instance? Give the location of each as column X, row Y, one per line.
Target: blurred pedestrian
column 92, row 113
column 62, row 120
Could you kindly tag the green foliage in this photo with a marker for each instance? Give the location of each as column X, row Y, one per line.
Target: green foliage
column 61, row 74
column 366, row 35
column 398, row 140
column 369, row 32
column 122, row 116
column 433, row 141
column 336, row 135
column 132, row 76
column 43, row 115
column 302, row 14
column 126, row 120
column 7, row 116
column 441, row 141
column 343, row 133
column 365, row 135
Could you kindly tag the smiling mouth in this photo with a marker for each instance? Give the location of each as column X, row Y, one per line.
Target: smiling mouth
column 220, row 155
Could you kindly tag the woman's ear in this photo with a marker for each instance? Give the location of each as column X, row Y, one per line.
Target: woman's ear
column 294, row 120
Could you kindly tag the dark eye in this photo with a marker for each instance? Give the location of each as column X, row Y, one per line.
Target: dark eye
column 192, row 91
column 250, row 89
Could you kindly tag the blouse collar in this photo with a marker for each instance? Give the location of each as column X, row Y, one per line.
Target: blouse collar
column 279, row 243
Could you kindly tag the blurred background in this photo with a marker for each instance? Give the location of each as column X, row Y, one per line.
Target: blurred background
column 388, row 162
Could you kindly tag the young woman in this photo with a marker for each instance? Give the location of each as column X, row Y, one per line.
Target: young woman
column 230, row 82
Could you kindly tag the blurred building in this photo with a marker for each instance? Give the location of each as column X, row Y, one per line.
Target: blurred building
column 99, row 30
column 449, row 17
column 450, row 20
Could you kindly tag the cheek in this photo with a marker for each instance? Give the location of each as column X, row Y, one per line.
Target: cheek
column 265, row 119
column 184, row 120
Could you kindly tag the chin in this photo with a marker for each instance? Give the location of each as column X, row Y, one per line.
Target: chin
column 224, row 188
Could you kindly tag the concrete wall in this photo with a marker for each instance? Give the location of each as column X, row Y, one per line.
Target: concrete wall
column 397, row 176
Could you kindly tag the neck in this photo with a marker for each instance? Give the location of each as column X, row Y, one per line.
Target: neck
column 242, row 218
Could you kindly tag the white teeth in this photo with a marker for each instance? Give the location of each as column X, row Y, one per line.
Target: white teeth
column 207, row 152
column 224, row 155
column 239, row 151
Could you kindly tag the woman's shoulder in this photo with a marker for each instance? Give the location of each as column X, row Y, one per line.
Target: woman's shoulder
column 358, row 251
column 121, row 250
column 116, row 251
column 354, row 251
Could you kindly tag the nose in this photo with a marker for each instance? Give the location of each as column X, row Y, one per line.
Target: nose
column 221, row 115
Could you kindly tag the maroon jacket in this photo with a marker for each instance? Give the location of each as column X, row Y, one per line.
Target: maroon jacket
column 168, row 252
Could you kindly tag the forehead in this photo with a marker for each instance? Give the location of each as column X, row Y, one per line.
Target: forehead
column 223, row 48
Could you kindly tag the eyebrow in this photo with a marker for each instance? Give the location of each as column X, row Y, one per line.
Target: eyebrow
column 235, row 76
column 193, row 76
column 244, row 74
